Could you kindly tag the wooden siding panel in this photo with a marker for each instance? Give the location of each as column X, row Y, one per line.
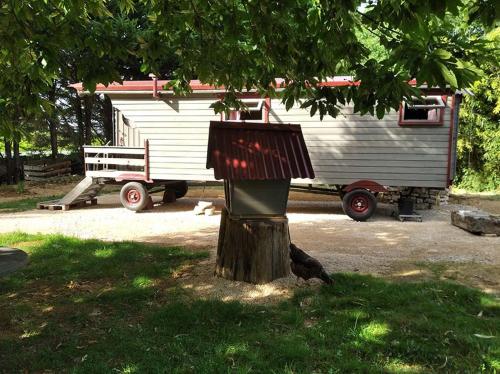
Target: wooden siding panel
column 183, row 176
column 385, row 182
column 402, row 145
column 382, row 157
column 330, row 175
column 194, row 128
column 396, row 151
column 158, row 137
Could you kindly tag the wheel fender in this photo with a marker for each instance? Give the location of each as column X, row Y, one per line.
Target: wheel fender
column 366, row 185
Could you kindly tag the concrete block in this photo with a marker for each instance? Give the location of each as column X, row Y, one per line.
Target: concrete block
column 210, row 211
column 202, row 207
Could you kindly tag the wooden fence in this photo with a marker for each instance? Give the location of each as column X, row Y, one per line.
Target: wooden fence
column 45, row 169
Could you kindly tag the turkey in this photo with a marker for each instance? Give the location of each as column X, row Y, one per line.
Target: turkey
column 305, row 266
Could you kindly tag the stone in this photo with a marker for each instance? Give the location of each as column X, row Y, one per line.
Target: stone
column 210, row 211
column 476, row 221
column 197, row 210
column 425, row 198
column 205, row 204
column 12, row 259
column 202, row 207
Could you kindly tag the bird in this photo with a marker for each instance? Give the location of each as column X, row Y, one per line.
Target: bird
column 306, row 267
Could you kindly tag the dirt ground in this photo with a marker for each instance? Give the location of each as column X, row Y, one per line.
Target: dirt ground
column 382, row 246
column 35, row 189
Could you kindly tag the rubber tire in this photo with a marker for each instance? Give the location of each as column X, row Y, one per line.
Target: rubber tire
column 181, row 189
column 359, row 216
column 143, row 196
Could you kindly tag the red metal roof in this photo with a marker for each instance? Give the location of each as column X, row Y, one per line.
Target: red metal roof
column 257, row 151
column 146, row 85
column 196, row 85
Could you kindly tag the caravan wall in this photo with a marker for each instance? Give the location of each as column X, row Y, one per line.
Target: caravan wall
column 343, row 150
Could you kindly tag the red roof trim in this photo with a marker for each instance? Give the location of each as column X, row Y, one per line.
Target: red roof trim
column 196, row 85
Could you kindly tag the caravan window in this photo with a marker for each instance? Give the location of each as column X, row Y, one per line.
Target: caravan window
column 428, row 110
column 254, row 112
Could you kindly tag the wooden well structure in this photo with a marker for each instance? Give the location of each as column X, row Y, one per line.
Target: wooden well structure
column 256, row 162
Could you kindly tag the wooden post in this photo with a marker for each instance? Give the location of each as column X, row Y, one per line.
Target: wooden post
column 252, row 250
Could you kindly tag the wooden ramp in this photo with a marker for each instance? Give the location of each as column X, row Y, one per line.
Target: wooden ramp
column 82, row 194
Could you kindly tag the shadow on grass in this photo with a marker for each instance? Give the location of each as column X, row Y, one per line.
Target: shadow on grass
column 23, row 205
column 90, row 306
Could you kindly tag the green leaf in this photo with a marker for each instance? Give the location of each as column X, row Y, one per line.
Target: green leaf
column 442, row 54
column 308, row 103
column 380, row 111
column 448, row 75
column 289, row 102
column 314, row 108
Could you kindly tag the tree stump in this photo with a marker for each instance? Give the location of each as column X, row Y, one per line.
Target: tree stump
column 252, row 250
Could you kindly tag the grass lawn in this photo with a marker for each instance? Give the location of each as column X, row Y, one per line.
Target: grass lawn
column 90, row 306
column 24, row 204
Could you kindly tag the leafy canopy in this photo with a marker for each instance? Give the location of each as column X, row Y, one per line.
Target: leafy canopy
column 243, row 44
column 40, row 41
column 247, row 43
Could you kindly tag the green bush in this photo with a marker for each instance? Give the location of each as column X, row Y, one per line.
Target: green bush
column 20, row 188
column 478, row 147
column 478, row 182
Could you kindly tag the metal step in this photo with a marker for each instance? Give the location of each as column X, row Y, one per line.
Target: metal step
column 88, row 188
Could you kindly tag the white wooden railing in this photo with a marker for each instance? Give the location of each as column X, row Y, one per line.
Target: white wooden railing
column 112, row 162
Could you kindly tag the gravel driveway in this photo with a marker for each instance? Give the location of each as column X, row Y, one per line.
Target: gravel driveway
column 382, row 246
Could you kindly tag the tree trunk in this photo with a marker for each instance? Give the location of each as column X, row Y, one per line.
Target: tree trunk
column 89, row 101
column 53, row 125
column 79, row 120
column 8, row 161
column 252, row 250
column 107, row 116
column 17, row 162
column 54, row 150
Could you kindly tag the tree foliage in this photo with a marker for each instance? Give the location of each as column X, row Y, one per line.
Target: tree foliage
column 241, row 45
column 479, row 136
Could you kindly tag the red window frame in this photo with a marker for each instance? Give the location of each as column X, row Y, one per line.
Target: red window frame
column 423, row 123
column 266, row 106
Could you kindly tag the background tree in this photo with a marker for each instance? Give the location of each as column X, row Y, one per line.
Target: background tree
column 479, row 137
column 44, row 45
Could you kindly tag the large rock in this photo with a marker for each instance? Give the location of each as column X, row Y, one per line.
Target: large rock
column 476, row 221
column 12, row 259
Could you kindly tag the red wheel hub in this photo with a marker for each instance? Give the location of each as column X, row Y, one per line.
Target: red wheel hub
column 133, row 196
column 360, row 203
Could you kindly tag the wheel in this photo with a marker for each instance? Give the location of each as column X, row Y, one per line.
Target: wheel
column 359, row 204
column 181, row 189
column 134, row 196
